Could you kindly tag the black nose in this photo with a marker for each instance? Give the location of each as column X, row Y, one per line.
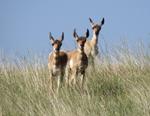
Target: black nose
column 82, row 45
column 57, row 49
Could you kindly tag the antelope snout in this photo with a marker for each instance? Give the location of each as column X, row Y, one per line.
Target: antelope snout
column 56, row 49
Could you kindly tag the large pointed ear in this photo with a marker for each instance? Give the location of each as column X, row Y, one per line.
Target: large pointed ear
column 102, row 22
column 62, row 37
column 51, row 37
column 75, row 35
column 87, row 33
column 91, row 21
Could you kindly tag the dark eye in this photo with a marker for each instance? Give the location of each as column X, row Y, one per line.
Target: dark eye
column 52, row 44
column 94, row 26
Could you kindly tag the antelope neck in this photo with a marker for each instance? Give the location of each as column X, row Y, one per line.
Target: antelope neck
column 56, row 58
column 81, row 50
column 94, row 38
column 56, row 53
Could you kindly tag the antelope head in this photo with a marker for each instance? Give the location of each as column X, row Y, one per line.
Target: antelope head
column 81, row 39
column 56, row 43
column 96, row 27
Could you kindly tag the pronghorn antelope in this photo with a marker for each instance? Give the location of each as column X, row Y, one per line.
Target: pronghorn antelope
column 91, row 46
column 57, row 61
column 78, row 61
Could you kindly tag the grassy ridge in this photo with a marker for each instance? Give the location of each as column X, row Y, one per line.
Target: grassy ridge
column 118, row 87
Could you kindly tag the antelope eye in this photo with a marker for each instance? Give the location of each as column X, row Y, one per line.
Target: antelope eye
column 77, row 40
column 93, row 27
column 52, row 44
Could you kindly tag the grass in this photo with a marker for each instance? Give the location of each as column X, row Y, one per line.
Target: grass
column 119, row 86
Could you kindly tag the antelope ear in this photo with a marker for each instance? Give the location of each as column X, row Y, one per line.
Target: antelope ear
column 75, row 35
column 87, row 33
column 102, row 22
column 62, row 37
column 51, row 37
column 91, row 21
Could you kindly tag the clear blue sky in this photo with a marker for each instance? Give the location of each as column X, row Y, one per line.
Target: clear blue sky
column 24, row 24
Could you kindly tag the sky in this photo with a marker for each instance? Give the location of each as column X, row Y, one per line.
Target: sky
column 24, row 24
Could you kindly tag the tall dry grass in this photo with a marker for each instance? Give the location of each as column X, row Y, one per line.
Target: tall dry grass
column 119, row 86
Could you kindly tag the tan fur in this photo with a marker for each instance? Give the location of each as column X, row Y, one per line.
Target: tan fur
column 77, row 61
column 91, row 46
column 57, row 62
